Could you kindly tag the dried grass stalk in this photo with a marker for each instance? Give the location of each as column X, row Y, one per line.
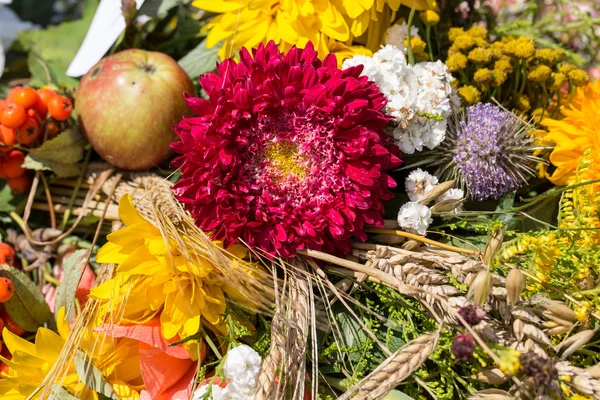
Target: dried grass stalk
column 394, row 370
column 285, row 365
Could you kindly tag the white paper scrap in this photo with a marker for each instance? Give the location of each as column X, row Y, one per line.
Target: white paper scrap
column 107, row 25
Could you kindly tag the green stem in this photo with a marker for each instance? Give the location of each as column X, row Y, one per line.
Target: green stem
column 545, row 101
column 531, row 202
column 67, row 213
column 212, row 345
column 517, row 78
column 409, row 52
column 524, row 72
column 558, row 99
column 428, row 38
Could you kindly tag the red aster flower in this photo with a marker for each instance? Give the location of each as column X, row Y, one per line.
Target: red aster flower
column 287, row 153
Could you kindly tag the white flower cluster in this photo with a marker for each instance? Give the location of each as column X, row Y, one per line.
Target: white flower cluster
column 396, row 34
column 419, row 96
column 416, row 217
column 241, row 369
column 418, row 183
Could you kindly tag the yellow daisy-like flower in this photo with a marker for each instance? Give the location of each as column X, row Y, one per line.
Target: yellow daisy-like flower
column 246, row 23
column 154, row 277
column 118, row 360
column 576, row 133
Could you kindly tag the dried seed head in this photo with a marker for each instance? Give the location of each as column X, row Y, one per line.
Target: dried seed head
column 411, row 245
column 437, row 191
column 480, row 288
column 462, row 346
column 536, row 334
column 518, row 329
column 594, row 371
column 446, row 205
column 492, row 247
column 575, row 342
column 472, row 314
column 491, row 394
column 491, row 376
column 542, row 370
column 560, row 310
column 558, row 330
column 514, row 286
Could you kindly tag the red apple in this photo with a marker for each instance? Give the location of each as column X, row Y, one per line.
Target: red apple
column 127, row 105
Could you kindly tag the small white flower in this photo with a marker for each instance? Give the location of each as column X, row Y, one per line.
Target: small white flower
column 241, row 369
column 452, row 194
column 418, row 183
column 414, row 217
column 420, row 97
column 396, row 34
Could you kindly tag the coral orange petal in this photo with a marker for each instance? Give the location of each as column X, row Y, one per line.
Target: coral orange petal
column 149, row 333
column 161, row 371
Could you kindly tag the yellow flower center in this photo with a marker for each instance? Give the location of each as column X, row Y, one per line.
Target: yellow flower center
column 284, row 158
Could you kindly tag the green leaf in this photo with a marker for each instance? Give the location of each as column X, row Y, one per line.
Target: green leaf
column 62, row 170
column 67, row 147
column 507, row 202
column 56, row 46
column 74, row 267
column 27, row 306
column 91, row 376
column 8, row 201
column 353, row 333
column 59, row 155
column 60, row 393
column 200, row 60
column 159, row 8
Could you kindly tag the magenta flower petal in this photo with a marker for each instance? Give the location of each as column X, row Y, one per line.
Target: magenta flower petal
column 287, row 153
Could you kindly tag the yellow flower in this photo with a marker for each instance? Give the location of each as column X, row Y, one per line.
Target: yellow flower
column 503, row 64
column 31, row 362
column 480, row 55
column 477, row 31
column 566, row 68
column 550, row 56
column 541, row 73
column 576, row 133
column 525, row 47
column 579, row 77
column 499, row 77
column 469, row 94
column 483, row 75
column 509, row 361
column 558, row 80
column 463, row 42
column 456, row 62
column 418, row 45
column 154, row 277
column 246, row 23
column 429, row 17
column 454, row 33
column 582, row 312
column 523, row 103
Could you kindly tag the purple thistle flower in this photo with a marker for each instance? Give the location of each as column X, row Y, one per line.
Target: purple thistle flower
column 489, row 151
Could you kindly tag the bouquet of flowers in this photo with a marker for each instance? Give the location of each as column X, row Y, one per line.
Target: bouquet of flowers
column 392, row 199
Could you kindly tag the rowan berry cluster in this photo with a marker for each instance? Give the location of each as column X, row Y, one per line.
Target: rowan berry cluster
column 28, row 117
